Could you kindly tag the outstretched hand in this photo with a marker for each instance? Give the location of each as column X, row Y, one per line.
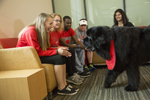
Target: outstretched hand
column 64, row 51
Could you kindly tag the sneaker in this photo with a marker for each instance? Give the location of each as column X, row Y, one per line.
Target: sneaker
column 66, row 91
column 84, row 74
column 74, row 80
column 91, row 67
column 74, row 89
column 79, row 77
column 87, row 71
column 85, row 67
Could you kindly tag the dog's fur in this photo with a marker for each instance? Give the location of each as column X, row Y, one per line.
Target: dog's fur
column 132, row 48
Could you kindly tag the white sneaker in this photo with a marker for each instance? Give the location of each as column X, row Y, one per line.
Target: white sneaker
column 78, row 76
column 75, row 89
column 74, row 80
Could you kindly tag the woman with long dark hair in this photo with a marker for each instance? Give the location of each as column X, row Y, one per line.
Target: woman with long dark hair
column 120, row 19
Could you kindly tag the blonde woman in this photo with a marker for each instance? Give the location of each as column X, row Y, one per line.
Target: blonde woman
column 37, row 36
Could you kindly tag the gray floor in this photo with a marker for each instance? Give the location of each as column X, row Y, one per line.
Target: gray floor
column 92, row 88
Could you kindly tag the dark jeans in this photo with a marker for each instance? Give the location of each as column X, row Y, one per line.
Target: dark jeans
column 70, row 63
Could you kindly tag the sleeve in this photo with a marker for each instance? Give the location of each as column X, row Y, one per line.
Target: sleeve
column 76, row 33
column 31, row 38
column 72, row 33
column 129, row 24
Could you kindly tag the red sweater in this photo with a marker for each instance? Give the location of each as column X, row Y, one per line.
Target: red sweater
column 29, row 38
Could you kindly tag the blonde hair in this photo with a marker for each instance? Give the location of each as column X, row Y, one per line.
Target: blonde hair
column 42, row 34
column 61, row 23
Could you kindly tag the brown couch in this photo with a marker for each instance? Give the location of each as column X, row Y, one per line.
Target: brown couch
column 21, row 75
column 97, row 60
column 25, row 58
column 19, row 53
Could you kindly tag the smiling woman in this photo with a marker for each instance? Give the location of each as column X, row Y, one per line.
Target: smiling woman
column 120, row 19
column 37, row 36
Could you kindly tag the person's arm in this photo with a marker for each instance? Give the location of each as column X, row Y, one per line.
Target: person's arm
column 64, row 51
column 76, row 40
column 74, row 37
column 31, row 37
column 129, row 24
column 63, row 42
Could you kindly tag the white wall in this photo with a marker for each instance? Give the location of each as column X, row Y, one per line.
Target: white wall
column 72, row 8
column 16, row 14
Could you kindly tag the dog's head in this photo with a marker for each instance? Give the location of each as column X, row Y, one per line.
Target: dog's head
column 99, row 38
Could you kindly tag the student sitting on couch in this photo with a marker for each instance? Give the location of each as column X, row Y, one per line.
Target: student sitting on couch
column 37, row 36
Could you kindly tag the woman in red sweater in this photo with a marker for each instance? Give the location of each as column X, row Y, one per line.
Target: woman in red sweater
column 37, row 36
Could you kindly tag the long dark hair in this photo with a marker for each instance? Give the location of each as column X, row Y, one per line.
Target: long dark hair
column 124, row 17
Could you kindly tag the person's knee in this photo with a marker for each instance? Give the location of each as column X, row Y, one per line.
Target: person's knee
column 61, row 59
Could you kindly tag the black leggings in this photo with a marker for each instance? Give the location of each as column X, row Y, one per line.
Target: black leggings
column 59, row 60
column 55, row 59
column 70, row 63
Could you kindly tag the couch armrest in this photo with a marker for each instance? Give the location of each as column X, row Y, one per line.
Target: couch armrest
column 19, row 58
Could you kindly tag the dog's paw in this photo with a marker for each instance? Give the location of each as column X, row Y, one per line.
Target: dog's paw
column 130, row 88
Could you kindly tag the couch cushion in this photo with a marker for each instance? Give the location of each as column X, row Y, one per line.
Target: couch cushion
column 8, row 42
column 19, row 58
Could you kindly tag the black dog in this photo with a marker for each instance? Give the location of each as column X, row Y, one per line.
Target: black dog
column 132, row 48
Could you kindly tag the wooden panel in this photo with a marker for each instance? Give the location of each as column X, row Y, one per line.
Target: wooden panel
column 37, row 86
column 23, row 85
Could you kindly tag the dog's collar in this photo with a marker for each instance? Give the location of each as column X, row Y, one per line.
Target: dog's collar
column 111, row 63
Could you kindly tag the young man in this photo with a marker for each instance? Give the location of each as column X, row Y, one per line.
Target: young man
column 69, row 34
column 81, row 34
